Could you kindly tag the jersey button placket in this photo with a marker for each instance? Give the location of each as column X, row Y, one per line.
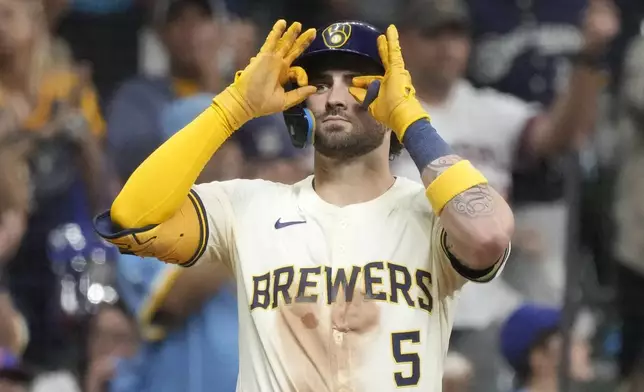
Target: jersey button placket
column 342, row 376
column 342, row 239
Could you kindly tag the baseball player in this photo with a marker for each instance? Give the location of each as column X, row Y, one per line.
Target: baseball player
column 346, row 280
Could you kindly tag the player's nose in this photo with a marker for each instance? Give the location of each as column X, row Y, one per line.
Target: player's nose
column 338, row 97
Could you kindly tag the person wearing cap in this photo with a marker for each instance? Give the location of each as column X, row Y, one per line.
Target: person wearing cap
column 531, row 342
column 191, row 35
column 499, row 133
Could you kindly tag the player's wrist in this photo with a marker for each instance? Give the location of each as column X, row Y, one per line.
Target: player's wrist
column 234, row 107
column 405, row 115
column 424, row 144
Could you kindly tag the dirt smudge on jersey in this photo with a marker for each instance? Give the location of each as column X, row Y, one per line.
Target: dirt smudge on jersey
column 322, row 345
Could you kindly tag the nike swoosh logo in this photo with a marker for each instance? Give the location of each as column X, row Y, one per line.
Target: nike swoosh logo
column 280, row 225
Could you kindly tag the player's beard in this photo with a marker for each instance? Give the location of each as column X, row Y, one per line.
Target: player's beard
column 347, row 140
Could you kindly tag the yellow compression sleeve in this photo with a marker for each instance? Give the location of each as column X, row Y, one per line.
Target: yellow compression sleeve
column 160, row 185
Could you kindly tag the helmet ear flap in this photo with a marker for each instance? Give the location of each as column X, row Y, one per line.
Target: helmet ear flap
column 300, row 123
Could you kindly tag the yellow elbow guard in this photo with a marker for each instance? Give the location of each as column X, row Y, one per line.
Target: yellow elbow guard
column 456, row 179
column 179, row 240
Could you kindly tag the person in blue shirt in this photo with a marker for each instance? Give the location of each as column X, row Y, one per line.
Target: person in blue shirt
column 185, row 348
column 531, row 342
column 191, row 34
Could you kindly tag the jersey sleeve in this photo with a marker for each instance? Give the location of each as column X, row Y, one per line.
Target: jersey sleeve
column 180, row 239
column 143, row 285
column 222, row 203
column 454, row 274
column 202, row 230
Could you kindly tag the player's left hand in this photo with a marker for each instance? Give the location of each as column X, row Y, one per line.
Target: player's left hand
column 395, row 105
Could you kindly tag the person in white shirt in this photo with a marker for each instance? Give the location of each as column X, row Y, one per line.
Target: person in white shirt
column 345, row 280
column 498, row 131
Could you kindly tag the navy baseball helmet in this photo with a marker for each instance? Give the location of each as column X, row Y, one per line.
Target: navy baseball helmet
column 340, row 38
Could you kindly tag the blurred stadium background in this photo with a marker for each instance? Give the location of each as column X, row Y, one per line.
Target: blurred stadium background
column 88, row 88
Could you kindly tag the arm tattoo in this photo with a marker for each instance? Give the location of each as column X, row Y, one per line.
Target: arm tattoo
column 474, row 202
column 441, row 164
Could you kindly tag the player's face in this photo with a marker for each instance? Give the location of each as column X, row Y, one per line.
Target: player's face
column 437, row 57
column 16, row 28
column 344, row 129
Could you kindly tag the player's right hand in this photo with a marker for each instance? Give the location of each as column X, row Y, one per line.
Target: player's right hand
column 258, row 90
column 395, row 105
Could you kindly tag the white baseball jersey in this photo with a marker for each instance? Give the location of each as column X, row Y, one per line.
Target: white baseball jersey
column 485, row 127
column 356, row 298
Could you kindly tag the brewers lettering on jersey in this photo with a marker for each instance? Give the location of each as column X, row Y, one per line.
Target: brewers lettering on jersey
column 348, row 279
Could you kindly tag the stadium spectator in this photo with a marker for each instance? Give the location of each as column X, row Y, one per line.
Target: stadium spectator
column 269, row 153
column 112, row 337
column 496, row 132
column 61, row 53
column 191, row 34
column 188, row 321
column 629, row 241
column 57, row 111
column 531, row 342
column 458, row 373
column 527, row 49
column 241, row 45
column 103, row 33
column 526, row 52
column 14, row 195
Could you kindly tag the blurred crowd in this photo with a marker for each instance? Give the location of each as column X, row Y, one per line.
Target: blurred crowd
column 547, row 97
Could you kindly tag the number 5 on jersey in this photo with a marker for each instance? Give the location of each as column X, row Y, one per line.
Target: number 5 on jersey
column 409, row 358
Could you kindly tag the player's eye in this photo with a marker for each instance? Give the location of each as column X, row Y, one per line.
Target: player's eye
column 322, row 87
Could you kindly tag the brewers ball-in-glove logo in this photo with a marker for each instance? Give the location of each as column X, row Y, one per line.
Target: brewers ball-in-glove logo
column 336, row 35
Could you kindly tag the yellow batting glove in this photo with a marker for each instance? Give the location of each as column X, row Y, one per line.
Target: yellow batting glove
column 396, row 105
column 258, row 90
